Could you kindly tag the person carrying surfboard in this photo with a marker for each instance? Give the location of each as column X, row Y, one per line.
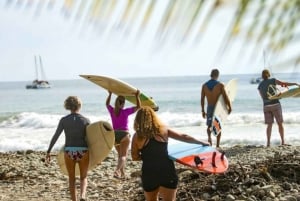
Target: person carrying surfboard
column 150, row 144
column 119, row 117
column 211, row 90
column 272, row 108
column 76, row 148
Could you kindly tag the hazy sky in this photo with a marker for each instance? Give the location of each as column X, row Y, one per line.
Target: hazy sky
column 70, row 46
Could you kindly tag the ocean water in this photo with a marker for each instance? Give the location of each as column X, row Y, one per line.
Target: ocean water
column 28, row 118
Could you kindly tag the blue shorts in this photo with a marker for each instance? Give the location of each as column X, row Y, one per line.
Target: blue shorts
column 209, row 114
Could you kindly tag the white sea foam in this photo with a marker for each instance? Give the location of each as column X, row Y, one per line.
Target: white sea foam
column 39, row 121
column 34, row 131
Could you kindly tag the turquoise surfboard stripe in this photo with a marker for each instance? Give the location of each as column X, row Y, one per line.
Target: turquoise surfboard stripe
column 180, row 150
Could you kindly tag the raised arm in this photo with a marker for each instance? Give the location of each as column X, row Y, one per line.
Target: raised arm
column 138, row 100
column 108, row 98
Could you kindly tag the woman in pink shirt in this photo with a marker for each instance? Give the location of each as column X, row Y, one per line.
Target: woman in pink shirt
column 119, row 117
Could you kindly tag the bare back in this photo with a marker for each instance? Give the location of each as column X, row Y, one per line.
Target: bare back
column 212, row 95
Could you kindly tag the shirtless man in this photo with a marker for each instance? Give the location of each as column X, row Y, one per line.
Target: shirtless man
column 211, row 90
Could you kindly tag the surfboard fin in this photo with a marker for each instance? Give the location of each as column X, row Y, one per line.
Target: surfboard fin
column 213, row 162
column 198, row 160
column 222, row 155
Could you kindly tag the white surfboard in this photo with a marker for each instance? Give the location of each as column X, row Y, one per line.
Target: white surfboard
column 122, row 88
column 100, row 139
column 220, row 113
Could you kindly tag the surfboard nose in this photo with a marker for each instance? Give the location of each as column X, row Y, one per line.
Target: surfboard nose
column 155, row 108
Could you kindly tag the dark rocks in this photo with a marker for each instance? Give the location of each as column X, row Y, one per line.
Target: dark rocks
column 255, row 174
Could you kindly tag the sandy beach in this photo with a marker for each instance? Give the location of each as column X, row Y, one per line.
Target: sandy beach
column 255, row 173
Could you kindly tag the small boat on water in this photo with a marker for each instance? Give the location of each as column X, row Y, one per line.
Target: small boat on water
column 256, row 80
column 41, row 83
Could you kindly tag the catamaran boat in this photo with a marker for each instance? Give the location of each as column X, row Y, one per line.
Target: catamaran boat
column 39, row 83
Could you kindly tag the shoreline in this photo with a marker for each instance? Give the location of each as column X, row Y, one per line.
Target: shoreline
column 255, row 173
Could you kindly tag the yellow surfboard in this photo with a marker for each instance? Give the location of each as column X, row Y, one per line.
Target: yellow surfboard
column 100, row 139
column 121, row 88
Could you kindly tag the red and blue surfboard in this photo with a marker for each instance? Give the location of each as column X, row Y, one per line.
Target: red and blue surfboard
column 202, row 158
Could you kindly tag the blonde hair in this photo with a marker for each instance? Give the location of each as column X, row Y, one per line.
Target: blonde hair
column 265, row 74
column 119, row 101
column 72, row 103
column 146, row 123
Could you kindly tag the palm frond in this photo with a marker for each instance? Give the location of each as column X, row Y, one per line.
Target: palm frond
column 268, row 24
column 196, row 8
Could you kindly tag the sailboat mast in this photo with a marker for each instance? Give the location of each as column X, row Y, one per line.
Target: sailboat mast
column 264, row 54
column 42, row 69
column 36, row 68
column 40, row 81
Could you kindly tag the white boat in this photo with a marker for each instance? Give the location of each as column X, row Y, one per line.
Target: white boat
column 255, row 80
column 40, row 82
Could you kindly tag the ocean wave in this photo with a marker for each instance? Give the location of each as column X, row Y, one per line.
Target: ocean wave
column 192, row 119
column 37, row 136
column 36, row 120
column 30, row 120
column 39, row 139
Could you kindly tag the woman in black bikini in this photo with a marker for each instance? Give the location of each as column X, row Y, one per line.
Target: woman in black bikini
column 76, row 149
column 150, row 144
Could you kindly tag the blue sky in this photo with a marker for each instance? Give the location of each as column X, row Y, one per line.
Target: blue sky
column 70, row 46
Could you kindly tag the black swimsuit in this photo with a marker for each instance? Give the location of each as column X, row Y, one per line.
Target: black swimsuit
column 157, row 169
column 119, row 135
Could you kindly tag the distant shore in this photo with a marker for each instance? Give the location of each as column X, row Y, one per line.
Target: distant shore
column 255, row 173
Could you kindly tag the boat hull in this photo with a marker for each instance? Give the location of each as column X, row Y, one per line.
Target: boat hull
column 40, row 85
